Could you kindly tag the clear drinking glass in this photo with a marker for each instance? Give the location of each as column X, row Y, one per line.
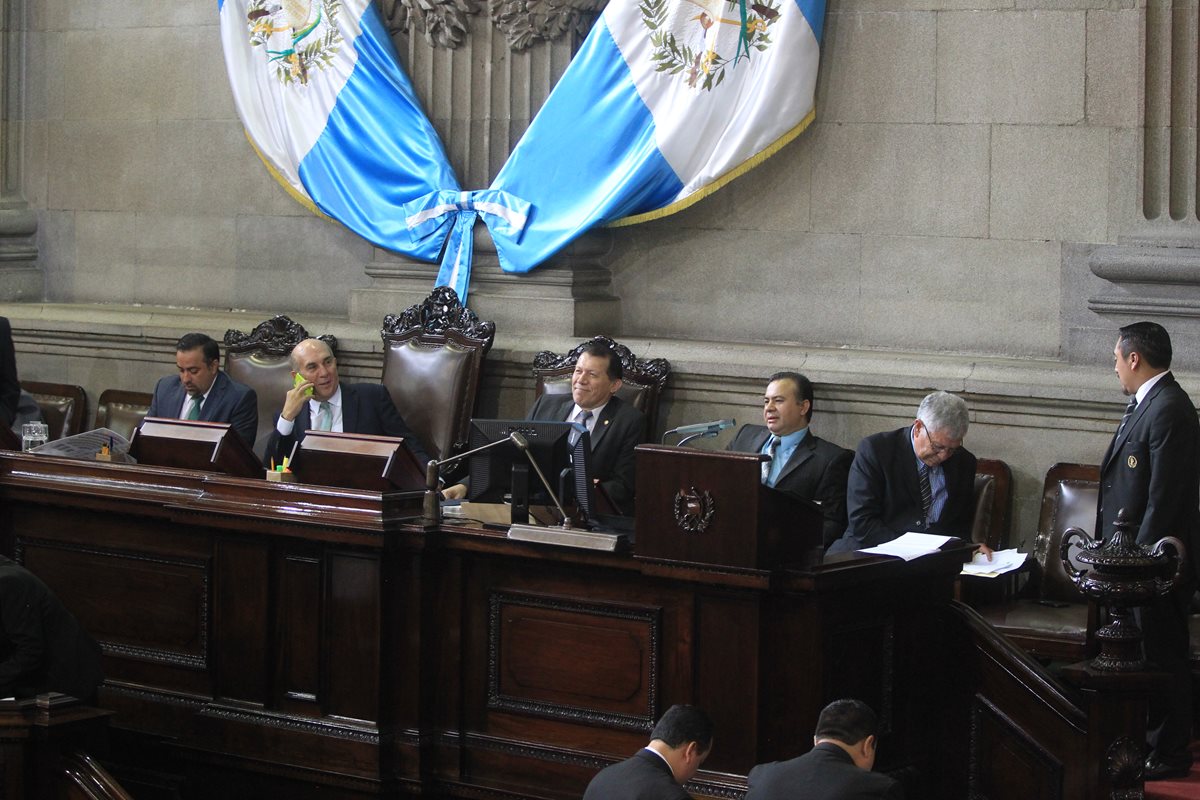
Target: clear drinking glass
column 34, row 434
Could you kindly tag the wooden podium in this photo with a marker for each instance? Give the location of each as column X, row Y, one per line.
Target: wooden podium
column 709, row 507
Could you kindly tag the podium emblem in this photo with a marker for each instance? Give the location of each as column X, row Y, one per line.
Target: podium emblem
column 693, row 509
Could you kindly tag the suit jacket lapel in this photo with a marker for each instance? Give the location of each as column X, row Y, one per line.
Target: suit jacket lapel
column 802, row 453
column 349, row 409
column 209, row 409
column 1121, row 437
column 603, row 421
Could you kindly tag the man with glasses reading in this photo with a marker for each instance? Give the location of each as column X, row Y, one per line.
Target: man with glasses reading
column 918, row 478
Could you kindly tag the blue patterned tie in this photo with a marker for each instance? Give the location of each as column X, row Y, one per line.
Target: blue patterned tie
column 772, row 448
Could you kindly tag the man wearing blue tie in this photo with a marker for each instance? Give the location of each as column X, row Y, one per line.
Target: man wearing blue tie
column 203, row 392
column 801, row 464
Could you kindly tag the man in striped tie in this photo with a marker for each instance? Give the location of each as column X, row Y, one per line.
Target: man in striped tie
column 916, row 478
column 203, row 391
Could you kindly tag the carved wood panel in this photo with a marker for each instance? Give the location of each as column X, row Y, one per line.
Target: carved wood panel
column 1006, row 761
column 565, row 657
column 99, row 585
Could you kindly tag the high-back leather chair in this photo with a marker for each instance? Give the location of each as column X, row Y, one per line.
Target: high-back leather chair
column 261, row 360
column 63, row 406
column 1052, row 619
column 122, row 411
column 993, row 504
column 432, row 356
column 642, row 384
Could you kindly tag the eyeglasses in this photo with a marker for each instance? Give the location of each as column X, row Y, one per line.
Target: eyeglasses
column 938, row 448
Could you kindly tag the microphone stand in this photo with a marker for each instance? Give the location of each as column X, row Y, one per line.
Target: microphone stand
column 562, row 534
column 431, row 508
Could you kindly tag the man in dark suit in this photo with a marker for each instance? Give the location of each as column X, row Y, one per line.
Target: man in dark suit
column 10, row 386
column 837, row 768
column 802, row 464
column 918, row 478
column 42, row 646
column 678, row 746
column 203, row 392
column 616, row 427
column 1152, row 470
column 333, row 405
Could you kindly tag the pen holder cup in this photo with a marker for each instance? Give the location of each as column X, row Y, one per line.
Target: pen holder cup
column 281, row 477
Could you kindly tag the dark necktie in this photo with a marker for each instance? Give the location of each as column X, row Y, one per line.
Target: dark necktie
column 1129, row 409
column 582, row 418
column 772, row 447
column 926, row 489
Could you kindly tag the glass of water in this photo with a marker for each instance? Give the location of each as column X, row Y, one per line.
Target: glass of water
column 34, row 434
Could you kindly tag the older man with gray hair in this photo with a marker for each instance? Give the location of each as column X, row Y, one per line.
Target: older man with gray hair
column 917, row 478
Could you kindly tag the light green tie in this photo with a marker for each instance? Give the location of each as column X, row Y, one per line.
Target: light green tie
column 325, row 417
column 194, row 411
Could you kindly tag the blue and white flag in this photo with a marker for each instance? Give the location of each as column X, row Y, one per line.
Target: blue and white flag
column 665, row 102
column 328, row 108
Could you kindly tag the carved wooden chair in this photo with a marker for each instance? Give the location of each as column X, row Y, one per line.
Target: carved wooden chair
column 432, row 357
column 1051, row 619
column 122, row 411
column 261, row 360
column 63, row 406
column 642, row 385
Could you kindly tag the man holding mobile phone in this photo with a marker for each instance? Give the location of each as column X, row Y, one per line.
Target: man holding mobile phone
column 318, row 400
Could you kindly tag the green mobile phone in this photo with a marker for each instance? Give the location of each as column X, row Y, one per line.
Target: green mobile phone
column 298, row 379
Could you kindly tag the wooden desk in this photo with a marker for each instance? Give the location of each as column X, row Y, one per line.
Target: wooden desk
column 291, row 635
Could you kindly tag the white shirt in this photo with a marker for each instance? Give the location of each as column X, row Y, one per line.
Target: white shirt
column 285, row 426
column 591, row 422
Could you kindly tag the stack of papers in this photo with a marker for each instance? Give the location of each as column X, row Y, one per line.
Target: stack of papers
column 1002, row 561
column 910, row 545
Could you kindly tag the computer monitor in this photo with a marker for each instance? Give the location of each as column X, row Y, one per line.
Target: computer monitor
column 503, row 473
column 356, row 461
column 191, row 444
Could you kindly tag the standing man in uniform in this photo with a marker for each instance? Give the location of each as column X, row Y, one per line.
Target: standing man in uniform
column 1152, row 471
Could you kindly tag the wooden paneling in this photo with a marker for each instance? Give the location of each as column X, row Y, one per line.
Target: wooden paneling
column 312, row 639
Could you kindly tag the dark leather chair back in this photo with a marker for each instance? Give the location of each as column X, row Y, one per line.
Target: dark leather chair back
column 993, row 504
column 432, row 357
column 261, row 360
column 642, row 384
column 1070, row 498
column 63, row 406
column 122, row 411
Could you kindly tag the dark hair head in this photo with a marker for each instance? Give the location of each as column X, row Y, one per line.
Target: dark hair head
column 804, row 387
column 1149, row 340
column 599, row 349
column 848, row 721
column 190, row 341
column 682, row 724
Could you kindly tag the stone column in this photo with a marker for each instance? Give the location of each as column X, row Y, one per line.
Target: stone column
column 20, row 276
column 1153, row 271
column 481, row 74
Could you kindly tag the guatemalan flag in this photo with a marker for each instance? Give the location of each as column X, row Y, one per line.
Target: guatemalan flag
column 665, row 102
column 328, row 108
